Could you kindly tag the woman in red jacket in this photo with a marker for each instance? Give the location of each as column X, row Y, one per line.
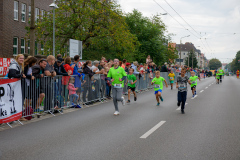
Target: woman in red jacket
column 65, row 79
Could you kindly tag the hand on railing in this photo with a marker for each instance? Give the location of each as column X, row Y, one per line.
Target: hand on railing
column 32, row 78
column 42, row 75
column 23, row 76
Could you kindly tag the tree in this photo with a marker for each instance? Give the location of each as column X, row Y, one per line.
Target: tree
column 235, row 64
column 195, row 61
column 214, row 64
column 100, row 25
column 150, row 34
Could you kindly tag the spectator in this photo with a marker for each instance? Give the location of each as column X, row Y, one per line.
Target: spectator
column 103, row 59
column 101, row 66
column 124, row 63
column 87, row 87
column 77, row 75
column 108, row 84
column 50, row 73
column 16, row 67
column 164, row 67
column 148, row 60
column 96, row 78
column 72, row 92
column 128, row 66
column 65, row 80
column 134, row 66
column 29, row 85
column 60, row 70
column 16, row 71
column 38, row 73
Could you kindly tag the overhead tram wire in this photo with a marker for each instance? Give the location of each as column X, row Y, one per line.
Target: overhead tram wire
column 175, row 19
column 183, row 18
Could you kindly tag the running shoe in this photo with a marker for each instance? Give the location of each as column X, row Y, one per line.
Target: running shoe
column 161, row 98
column 182, row 111
column 158, row 104
column 78, row 106
column 178, row 104
column 123, row 101
column 195, row 92
column 116, row 113
column 135, row 98
column 193, row 96
column 128, row 102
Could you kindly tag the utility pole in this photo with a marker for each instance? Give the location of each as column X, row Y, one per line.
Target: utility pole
column 188, row 58
column 32, row 28
column 192, row 55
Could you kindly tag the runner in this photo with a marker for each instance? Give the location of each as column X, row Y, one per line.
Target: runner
column 237, row 74
column 171, row 77
column 182, row 81
column 117, row 76
column 221, row 74
column 193, row 80
column 131, row 81
column 158, row 86
column 217, row 77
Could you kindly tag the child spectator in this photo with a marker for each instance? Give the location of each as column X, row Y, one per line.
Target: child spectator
column 72, row 93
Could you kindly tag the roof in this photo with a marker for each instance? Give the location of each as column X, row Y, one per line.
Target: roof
column 185, row 47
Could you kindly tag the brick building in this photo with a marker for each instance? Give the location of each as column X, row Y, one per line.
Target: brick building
column 14, row 17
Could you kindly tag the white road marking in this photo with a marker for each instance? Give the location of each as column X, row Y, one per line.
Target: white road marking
column 179, row 108
column 206, row 88
column 201, row 91
column 209, row 85
column 194, row 97
column 148, row 133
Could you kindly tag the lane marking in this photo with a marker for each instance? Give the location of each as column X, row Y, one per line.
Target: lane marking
column 179, row 108
column 201, row 91
column 206, row 88
column 148, row 133
column 209, row 85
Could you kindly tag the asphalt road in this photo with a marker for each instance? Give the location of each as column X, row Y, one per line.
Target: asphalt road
column 210, row 129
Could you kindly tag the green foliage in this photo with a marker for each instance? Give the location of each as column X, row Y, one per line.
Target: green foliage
column 235, row 65
column 99, row 24
column 195, row 61
column 214, row 64
column 150, row 34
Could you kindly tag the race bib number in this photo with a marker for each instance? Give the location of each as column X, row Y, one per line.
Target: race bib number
column 117, row 85
column 157, row 86
column 171, row 78
column 182, row 86
column 130, row 81
column 193, row 82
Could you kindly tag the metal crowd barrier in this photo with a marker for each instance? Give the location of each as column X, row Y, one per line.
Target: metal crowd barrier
column 51, row 94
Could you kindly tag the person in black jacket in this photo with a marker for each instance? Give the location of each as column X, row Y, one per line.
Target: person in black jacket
column 16, row 67
column 164, row 68
column 38, row 73
column 29, row 86
column 60, row 71
column 87, row 87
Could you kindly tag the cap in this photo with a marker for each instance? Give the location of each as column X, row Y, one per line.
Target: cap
column 128, row 64
column 59, row 59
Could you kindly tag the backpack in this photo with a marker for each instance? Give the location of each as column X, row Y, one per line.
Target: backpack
column 27, row 113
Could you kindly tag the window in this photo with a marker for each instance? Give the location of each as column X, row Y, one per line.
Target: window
column 36, row 14
column 29, row 46
column 15, row 10
column 36, row 48
column 22, row 46
column 42, row 49
column 29, row 11
column 15, row 46
column 23, row 12
column 43, row 13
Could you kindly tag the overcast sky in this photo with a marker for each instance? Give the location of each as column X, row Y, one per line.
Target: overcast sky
column 216, row 20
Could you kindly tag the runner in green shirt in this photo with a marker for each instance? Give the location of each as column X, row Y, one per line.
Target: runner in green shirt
column 117, row 76
column 158, row 86
column 193, row 80
column 221, row 74
column 131, row 83
column 217, row 77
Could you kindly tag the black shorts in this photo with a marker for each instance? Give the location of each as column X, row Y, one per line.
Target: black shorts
column 133, row 89
column 194, row 87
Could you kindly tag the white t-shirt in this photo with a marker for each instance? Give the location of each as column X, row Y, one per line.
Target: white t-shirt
column 94, row 67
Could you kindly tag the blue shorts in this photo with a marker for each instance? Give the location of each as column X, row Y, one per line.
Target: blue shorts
column 156, row 92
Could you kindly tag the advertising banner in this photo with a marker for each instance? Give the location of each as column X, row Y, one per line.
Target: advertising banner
column 10, row 100
column 4, row 64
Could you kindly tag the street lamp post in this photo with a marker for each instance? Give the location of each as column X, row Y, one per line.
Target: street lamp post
column 180, row 48
column 53, row 5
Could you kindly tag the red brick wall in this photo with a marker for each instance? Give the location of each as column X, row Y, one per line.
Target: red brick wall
column 10, row 28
